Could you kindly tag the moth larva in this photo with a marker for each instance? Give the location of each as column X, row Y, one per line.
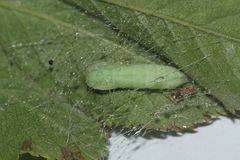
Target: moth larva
column 104, row 76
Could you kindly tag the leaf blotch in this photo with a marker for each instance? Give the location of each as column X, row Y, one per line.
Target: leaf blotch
column 71, row 155
column 26, row 145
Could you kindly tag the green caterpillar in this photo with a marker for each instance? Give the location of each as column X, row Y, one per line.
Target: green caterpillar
column 104, row 76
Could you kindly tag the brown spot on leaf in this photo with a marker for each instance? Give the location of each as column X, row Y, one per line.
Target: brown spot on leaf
column 184, row 93
column 70, row 155
column 26, row 145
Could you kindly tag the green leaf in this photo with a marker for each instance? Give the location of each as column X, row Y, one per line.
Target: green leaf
column 46, row 107
column 152, row 110
column 201, row 37
column 36, row 113
column 145, row 108
column 42, row 122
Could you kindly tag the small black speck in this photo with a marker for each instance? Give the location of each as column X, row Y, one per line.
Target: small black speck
column 50, row 62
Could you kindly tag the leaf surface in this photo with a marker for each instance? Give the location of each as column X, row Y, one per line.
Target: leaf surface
column 36, row 112
column 200, row 37
column 47, row 109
